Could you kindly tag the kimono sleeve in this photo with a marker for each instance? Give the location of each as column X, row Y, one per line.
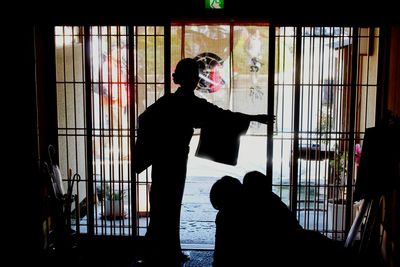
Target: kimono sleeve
column 220, row 140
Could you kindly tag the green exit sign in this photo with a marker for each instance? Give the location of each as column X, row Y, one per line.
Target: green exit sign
column 214, row 4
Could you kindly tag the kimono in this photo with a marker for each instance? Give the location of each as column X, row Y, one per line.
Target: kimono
column 164, row 133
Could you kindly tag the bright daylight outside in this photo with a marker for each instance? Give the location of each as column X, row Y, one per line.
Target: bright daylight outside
column 311, row 102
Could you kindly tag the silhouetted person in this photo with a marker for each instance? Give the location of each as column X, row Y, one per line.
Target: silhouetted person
column 272, row 223
column 275, row 226
column 261, row 198
column 164, row 133
column 226, row 197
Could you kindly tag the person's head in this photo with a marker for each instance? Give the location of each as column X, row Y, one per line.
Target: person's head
column 186, row 73
column 225, row 193
column 256, row 181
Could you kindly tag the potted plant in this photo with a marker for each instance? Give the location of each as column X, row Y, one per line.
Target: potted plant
column 337, row 200
column 114, row 203
column 339, row 173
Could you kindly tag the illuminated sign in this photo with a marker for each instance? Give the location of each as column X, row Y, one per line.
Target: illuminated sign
column 214, row 4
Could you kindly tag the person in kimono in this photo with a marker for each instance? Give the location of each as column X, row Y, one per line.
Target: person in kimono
column 164, row 133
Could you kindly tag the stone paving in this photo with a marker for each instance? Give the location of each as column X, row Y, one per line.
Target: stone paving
column 198, row 216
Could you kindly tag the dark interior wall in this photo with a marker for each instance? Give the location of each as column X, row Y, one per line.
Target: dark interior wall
column 22, row 165
column 281, row 12
column 394, row 72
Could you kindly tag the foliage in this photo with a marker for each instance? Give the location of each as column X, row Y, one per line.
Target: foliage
column 114, row 194
column 325, row 123
column 339, row 167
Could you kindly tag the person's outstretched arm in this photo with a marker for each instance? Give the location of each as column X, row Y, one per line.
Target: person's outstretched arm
column 211, row 112
column 261, row 118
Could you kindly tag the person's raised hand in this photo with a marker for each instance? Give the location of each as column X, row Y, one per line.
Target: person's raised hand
column 265, row 118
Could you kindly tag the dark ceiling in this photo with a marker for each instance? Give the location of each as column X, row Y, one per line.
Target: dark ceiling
column 157, row 11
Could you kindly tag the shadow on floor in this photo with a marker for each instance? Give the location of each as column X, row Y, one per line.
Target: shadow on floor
column 112, row 253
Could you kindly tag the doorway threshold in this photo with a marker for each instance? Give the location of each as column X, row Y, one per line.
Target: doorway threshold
column 194, row 246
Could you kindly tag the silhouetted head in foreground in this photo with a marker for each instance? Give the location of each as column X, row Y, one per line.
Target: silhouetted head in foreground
column 257, row 181
column 186, row 73
column 226, row 193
